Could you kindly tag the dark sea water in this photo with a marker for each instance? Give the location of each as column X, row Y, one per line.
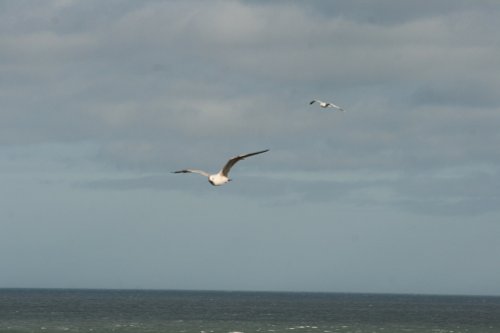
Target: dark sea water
column 40, row 310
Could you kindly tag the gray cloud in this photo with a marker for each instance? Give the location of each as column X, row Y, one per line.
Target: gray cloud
column 161, row 85
column 452, row 193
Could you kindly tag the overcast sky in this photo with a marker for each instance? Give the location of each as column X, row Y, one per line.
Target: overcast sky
column 101, row 100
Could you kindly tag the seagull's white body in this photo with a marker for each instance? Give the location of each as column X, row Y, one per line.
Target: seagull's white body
column 221, row 177
column 326, row 105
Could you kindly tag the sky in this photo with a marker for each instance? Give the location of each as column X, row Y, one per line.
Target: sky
column 102, row 100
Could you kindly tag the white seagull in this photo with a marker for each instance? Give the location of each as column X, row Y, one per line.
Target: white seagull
column 326, row 105
column 221, row 177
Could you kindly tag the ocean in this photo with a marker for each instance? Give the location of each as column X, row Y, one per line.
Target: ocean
column 136, row 311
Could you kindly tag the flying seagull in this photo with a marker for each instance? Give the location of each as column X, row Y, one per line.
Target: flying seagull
column 326, row 105
column 221, row 177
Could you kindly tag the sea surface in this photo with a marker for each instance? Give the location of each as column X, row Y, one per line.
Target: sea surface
column 136, row 311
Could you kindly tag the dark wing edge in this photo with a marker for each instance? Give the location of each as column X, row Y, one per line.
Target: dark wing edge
column 251, row 154
column 225, row 170
column 182, row 171
column 200, row 172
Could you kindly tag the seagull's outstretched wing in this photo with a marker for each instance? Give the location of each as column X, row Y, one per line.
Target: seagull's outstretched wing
column 201, row 172
column 313, row 101
column 335, row 106
column 225, row 170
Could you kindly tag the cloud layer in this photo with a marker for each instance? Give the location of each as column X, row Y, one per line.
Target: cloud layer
column 160, row 85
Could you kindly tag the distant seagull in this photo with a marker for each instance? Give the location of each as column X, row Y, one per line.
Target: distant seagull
column 222, row 176
column 326, row 105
